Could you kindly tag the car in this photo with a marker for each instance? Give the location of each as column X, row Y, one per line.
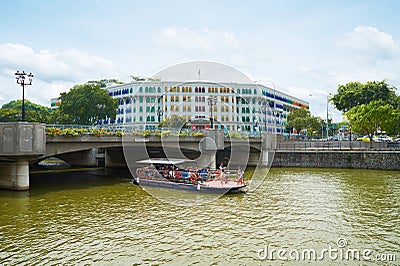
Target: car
column 385, row 138
column 365, row 139
column 397, row 140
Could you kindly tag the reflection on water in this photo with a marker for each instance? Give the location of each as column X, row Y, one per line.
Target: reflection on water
column 93, row 218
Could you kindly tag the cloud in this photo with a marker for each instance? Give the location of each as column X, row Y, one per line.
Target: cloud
column 54, row 71
column 203, row 40
column 69, row 65
column 369, row 43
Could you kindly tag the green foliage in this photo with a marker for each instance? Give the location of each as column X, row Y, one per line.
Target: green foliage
column 235, row 135
column 103, row 82
column 10, row 115
column 301, row 119
column 165, row 133
column 87, row 103
column 173, row 121
column 12, row 112
column 74, row 132
column 355, row 93
column 98, row 132
column 198, row 134
column 369, row 118
column 140, row 78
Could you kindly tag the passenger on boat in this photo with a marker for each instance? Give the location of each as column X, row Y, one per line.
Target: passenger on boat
column 222, row 173
column 240, row 175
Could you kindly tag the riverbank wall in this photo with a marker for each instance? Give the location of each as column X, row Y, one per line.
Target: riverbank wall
column 381, row 160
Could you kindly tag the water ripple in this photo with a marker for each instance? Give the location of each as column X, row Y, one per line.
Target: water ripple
column 118, row 223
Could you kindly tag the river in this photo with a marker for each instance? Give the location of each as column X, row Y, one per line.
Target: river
column 93, row 218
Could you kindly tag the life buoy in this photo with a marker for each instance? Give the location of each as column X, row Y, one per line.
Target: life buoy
column 193, row 178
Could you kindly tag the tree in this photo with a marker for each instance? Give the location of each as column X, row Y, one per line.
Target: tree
column 85, row 104
column 103, row 82
column 173, row 121
column 355, row 93
column 140, row 78
column 314, row 123
column 301, row 119
column 11, row 112
column 369, row 118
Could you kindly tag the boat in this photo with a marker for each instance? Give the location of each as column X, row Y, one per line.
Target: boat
column 178, row 174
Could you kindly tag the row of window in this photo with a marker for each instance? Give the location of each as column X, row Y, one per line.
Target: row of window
column 186, row 108
column 224, row 99
column 243, row 91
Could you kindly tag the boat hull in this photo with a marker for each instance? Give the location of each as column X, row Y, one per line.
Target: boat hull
column 206, row 187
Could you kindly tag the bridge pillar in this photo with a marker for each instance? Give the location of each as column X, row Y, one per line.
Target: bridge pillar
column 85, row 158
column 19, row 142
column 15, row 175
column 268, row 144
column 208, row 148
column 114, row 158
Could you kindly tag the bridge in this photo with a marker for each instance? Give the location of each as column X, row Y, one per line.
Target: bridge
column 23, row 143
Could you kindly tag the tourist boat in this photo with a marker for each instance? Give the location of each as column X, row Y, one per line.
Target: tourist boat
column 178, row 174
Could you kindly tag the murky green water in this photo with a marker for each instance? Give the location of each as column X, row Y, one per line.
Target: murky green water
column 83, row 218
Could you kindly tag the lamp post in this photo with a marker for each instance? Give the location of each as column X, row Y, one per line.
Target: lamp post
column 160, row 113
column 350, row 137
column 327, row 116
column 274, row 106
column 21, row 80
column 264, row 110
column 212, row 101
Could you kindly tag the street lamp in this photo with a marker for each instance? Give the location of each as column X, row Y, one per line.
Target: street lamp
column 264, row 110
column 160, row 113
column 327, row 116
column 274, row 106
column 212, row 101
column 21, row 80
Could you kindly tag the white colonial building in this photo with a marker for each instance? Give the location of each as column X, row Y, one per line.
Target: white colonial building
column 233, row 106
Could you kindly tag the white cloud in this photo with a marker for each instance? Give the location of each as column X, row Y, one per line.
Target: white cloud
column 204, row 40
column 370, row 43
column 69, row 65
column 54, row 71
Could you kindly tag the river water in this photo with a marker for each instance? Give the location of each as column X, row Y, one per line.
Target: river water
column 88, row 218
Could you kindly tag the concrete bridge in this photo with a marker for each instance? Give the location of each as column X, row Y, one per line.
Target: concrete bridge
column 25, row 143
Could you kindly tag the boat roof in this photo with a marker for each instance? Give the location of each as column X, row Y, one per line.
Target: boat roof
column 168, row 161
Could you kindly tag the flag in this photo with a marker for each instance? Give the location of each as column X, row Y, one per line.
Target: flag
column 199, row 73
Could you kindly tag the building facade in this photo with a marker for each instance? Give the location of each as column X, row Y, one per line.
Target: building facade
column 233, row 106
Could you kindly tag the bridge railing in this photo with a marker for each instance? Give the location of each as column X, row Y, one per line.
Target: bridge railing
column 337, row 145
column 119, row 130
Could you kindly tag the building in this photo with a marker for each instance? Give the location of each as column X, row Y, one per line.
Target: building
column 233, row 106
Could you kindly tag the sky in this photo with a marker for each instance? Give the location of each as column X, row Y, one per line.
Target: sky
column 306, row 48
